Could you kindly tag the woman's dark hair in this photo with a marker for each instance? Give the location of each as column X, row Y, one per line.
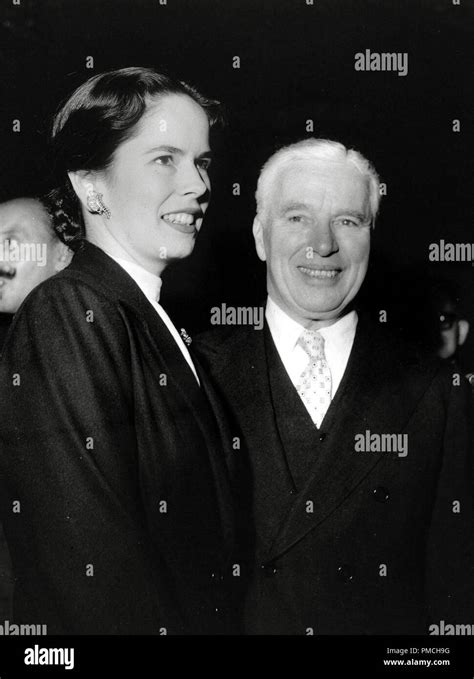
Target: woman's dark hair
column 99, row 116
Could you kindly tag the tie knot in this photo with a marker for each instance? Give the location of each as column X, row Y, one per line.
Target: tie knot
column 313, row 343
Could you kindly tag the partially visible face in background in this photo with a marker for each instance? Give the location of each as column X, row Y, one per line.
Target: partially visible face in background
column 453, row 329
column 29, row 251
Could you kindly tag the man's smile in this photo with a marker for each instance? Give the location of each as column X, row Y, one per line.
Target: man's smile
column 320, row 273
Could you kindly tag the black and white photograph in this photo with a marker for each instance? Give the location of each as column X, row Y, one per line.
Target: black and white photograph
column 237, row 331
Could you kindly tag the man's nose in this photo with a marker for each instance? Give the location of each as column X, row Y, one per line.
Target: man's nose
column 323, row 240
column 191, row 181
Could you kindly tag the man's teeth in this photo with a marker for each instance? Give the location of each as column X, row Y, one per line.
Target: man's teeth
column 320, row 273
column 179, row 218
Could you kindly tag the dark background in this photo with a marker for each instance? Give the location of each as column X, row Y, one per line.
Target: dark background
column 297, row 63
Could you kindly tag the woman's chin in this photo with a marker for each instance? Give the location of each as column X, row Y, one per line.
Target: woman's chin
column 178, row 255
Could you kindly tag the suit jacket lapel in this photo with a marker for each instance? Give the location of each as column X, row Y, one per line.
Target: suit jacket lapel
column 93, row 265
column 223, row 465
column 376, row 394
column 246, row 385
column 246, row 389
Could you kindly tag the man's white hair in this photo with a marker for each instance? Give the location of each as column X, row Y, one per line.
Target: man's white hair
column 316, row 149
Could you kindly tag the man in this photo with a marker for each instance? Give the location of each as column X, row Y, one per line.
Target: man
column 359, row 448
column 452, row 327
column 30, row 252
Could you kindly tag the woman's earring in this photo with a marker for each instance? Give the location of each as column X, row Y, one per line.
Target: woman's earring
column 96, row 205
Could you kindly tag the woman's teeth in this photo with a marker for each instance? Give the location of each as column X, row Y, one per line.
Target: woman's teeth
column 320, row 273
column 179, row 218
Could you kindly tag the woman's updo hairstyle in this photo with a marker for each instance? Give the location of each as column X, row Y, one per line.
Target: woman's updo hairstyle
column 99, row 116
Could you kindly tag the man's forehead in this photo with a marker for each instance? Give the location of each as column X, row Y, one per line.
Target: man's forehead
column 303, row 180
column 23, row 217
column 318, row 169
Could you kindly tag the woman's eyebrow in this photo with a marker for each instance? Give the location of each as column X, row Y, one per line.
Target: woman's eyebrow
column 176, row 151
column 166, row 149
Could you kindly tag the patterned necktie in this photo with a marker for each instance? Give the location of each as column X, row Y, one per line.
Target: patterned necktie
column 315, row 382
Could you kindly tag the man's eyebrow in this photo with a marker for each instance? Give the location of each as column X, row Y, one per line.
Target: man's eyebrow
column 294, row 206
column 352, row 213
column 11, row 230
column 304, row 206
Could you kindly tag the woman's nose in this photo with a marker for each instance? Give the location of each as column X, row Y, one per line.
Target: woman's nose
column 191, row 181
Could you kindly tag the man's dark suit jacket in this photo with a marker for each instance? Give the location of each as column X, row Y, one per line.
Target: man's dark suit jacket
column 5, row 322
column 353, row 542
column 117, row 501
column 6, row 576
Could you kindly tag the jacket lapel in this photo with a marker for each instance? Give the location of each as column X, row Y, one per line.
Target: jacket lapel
column 377, row 393
column 91, row 264
column 95, row 267
column 224, row 462
column 246, row 387
column 239, row 364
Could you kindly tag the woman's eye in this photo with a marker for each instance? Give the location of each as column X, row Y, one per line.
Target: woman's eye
column 204, row 164
column 164, row 160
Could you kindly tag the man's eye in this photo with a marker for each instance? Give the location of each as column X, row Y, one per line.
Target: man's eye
column 296, row 219
column 348, row 221
column 203, row 164
column 164, row 160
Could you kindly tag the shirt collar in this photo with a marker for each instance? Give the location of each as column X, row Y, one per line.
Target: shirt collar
column 286, row 331
column 340, row 334
column 149, row 283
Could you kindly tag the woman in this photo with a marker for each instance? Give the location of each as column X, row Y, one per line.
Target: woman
column 117, row 505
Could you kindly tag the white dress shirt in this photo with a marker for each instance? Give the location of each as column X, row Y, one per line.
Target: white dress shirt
column 338, row 341
column 150, row 285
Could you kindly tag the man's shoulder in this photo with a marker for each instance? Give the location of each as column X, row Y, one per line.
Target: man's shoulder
column 402, row 359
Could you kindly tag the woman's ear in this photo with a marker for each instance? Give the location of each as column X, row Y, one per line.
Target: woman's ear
column 82, row 183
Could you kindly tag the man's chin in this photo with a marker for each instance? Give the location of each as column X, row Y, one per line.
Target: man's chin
column 323, row 309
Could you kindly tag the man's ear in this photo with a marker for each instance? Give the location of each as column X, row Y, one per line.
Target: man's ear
column 82, row 183
column 63, row 256
column 257, row 230
column 463, row 326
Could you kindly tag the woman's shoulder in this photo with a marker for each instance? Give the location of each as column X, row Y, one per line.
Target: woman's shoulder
column 67, row 305
column 66, row 317
column 68, row 289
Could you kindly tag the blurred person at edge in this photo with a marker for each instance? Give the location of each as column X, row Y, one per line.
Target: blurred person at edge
column 452, row 327
column 114, row 443
column 30, row 252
